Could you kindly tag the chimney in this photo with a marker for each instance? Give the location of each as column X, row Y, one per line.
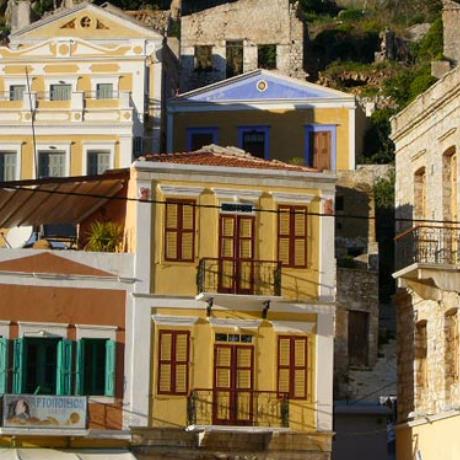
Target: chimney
column 21, row 15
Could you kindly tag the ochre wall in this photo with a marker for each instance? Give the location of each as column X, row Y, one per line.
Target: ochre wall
column 169, row 410
column 287, row 129
column 73, row 306
column 296, row 283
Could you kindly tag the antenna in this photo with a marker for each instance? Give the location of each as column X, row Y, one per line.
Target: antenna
column 32, row 122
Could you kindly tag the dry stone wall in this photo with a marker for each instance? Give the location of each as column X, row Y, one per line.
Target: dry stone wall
column 255, row 22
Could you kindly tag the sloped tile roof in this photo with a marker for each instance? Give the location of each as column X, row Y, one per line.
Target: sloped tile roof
column 231, row 157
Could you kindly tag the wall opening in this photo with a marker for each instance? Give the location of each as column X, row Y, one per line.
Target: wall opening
column 420, row 194
column 234, row 57
column 203, row 58
column 358, row 338
column 266, row 57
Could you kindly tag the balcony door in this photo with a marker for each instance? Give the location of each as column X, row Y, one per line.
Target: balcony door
column 233, row 384
column 236, row 254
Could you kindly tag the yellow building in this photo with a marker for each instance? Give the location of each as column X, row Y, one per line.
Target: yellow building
column 259, row 110
column 80, row 92
column 238, row 319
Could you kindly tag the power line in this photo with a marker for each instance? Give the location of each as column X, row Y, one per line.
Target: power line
column 6, row 186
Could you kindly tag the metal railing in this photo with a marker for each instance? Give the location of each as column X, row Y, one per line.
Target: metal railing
column 427, row 244
column 238, row 408
column 239, row 276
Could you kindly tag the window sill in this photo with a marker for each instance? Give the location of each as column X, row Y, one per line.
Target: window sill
column 101, row 400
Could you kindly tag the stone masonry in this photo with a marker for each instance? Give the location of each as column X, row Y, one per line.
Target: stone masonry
column 426, row 135
column 246, row 21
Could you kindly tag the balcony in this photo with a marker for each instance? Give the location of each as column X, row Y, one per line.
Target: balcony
column 239, row 276
column 75, row 107
column 429, row 254
column 238, row 408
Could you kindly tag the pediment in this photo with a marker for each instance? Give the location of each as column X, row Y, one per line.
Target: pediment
column 47, row 262
column 259, row 86
column 89, row 22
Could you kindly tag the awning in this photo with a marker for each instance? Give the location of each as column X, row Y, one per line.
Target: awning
column 66, row 200
column 55, row 454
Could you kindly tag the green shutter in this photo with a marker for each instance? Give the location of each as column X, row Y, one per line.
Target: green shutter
column 64, row 368
column 3, row 365
column 110, row 365
column 80, row 379
column 19, row 366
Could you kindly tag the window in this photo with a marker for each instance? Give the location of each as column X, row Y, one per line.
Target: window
column 98, row 162
column 51, row 164
column 243, row 338
column 7, row 166
column 234, row 57
column 42, row 366
column 96, row 360
column 85, row 22
column 358, row 338
column 104, row 91
column 47, row 366
column 203, row 58
column 60, row 92
column 339, row 202
column 420, row 194
column 255, row 140
column 421, row 348
column 17, row 92
column 180, row 230
column 138, row 146
column 292, row 366
column 173, row 357
column 292, row 236
column 200, row 137
column 451, row 351
column 266, row 57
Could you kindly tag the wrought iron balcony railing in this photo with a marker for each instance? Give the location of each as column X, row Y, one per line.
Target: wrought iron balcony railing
column 428, row 245
column 238, row 408
column 239, row 276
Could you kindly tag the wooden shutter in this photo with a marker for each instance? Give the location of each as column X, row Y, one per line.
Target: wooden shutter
column 173, row 361
column 180, row 231
column 4, row 344
column 292, row 366
column 80, row 371
column 322, row 150
column 64, row 367
column 110, row 367
column 19, row 364
column 292, row 236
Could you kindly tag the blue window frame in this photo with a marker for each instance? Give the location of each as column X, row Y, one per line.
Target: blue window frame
column 255, row 140
column 309, row 148
column 199, row 137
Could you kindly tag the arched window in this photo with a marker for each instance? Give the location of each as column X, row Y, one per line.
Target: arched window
column 420, row 211
column 450, row 188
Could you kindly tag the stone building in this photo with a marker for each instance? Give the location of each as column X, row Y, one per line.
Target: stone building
column 427, row 136
column 451, row 20
column 232, row 38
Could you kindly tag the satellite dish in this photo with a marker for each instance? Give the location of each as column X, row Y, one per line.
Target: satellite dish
column 17, row 237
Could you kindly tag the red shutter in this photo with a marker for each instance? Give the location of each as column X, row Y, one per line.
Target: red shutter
column 180, row 231
column 173, row 360
column 292, row 366
column 292, row 236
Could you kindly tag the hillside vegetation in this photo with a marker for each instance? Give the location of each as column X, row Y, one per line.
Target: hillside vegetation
column 344, row 41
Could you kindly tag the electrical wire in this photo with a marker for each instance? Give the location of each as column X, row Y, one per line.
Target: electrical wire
column 6, row 186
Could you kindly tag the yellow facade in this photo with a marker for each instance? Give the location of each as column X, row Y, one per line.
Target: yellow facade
column 254, row 324
column 284, row 124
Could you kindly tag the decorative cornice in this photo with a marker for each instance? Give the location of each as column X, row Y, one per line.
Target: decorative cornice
column 237, row 194
column 174, row 190
column 283, row 197
column 235, row 323
column 163, row 320
column 293, row 326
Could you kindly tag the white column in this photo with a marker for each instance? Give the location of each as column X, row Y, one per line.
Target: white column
column 125, row 151
column 324, row 371
column 138, row 318
column 327, row 266
column 352, row 136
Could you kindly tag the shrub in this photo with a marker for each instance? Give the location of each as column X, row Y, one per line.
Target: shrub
column 104, row 237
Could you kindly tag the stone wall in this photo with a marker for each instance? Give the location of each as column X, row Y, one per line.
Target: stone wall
column 244, row 20
column 357, row 290
column 451, row 22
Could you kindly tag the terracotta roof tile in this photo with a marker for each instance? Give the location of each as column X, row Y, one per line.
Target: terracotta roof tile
column 224, row 156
